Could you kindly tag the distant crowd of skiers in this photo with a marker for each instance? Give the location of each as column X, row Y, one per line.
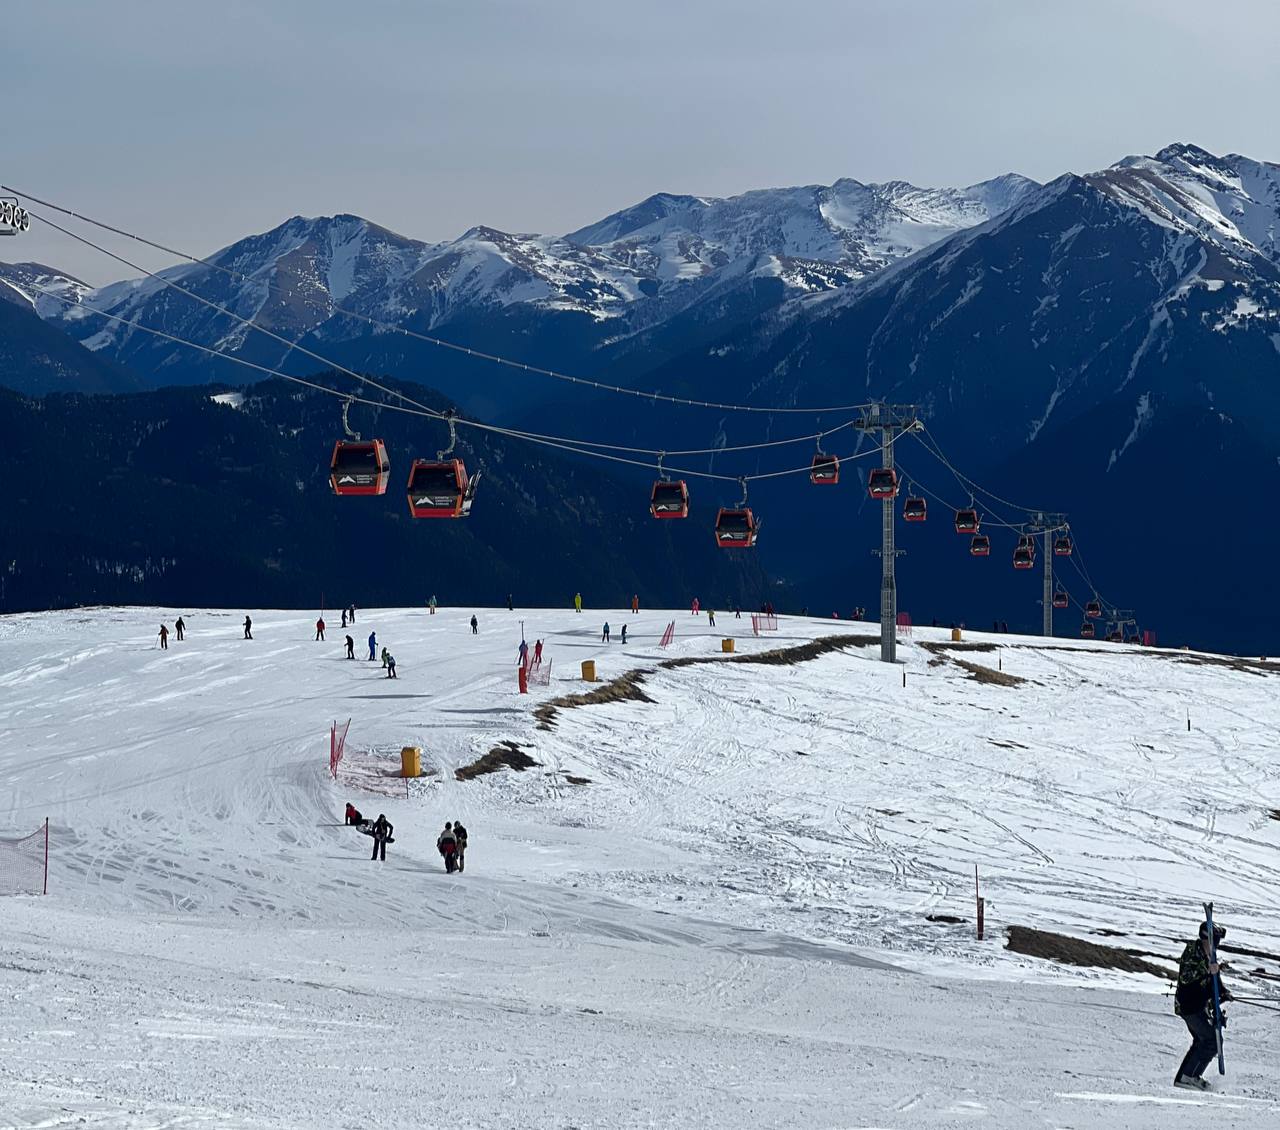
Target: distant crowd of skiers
column 451, row 843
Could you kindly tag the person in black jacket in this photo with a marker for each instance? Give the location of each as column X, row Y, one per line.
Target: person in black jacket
column 248, row 628
column 447, row 846
column 460, row 835
column 382, row 831
column 1193, row 1001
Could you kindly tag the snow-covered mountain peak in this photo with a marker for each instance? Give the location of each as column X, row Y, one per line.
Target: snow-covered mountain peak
column 30, row 284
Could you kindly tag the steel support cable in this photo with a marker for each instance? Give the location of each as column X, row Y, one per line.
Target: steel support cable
column 364, row 379
column 430, row 413
column 984, row 520
column 538, row 370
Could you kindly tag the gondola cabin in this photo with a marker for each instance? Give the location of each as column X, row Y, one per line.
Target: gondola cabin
column 1093, row 609
column 882, row 483
column 1062, row 547
column 1087, row 631
column 980, row 546
column 359, row 467
column 825, row 469
column 736, row 529
column 967, row 521
column 1115, row 637
column 914, row 509
column 1023, row 558
column 440, row 489
column 669, row 499
column 1061, row 600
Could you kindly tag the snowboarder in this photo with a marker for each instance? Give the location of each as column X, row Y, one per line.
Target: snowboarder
column 537, row 652
column 432, row 604
column 577, row 602
column 351, row 648
column 635, row 605
column 320, row 629
column 510, row 607
column 624, row 633
column 344, row 617
column 181, row 626
column 248, row 628
column 604, row 635
column 475, row 625
column 391, row 666
column 711, row 617
column 353, row 814
column 1193, row 1001
column 447, row 846
column 460, row 835
column 164, row 638
column 373, row 646
column 382, row 835
column 524, row 654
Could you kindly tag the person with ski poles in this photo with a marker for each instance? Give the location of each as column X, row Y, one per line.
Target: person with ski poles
column 1193, row 1001
column 373, row 646
column 164, row 638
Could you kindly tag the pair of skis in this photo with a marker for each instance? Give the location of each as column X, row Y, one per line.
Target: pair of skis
column 1217, row 1000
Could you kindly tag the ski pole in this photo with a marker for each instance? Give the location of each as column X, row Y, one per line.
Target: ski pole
column 1256, row 1004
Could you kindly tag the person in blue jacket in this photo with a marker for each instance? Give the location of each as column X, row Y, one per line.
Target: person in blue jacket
column 373, row 645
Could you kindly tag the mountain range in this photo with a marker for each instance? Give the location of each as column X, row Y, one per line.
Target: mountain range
column 1092, row 340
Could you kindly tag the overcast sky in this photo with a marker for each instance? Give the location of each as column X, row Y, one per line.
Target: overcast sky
column 198, row 123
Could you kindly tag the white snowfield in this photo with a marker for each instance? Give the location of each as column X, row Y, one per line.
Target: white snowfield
column 711, row 909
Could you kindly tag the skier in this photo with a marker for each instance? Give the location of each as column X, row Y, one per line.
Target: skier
column 353, row 814
column 510, row 608
column 737, row 612
column 382, row 830
column 711, row 617
column 391, row 666
column 695, row 606
column 537, row 653
column 248, row 628
column 604, row 635
column 475, row 625
column 460, row 834
column 447, row 846
column 432, row 604
column 373, row 646
column 1193, row 1001
column 164, row 638
column 577, row 602
column 320, row 629
column 351, row 648
column 181, row 627
column 635, row 605
column 524, row 654
column 384, row 655
column 344, row 617
column 624, row 633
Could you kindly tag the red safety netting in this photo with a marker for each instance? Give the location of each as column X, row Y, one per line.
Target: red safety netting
column 24, row 863
column 337, row 740
column 763, row 622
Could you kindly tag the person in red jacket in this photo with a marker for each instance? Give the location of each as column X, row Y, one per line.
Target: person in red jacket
column 320, row 629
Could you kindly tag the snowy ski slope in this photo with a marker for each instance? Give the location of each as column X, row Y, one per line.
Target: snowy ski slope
column 727, row 925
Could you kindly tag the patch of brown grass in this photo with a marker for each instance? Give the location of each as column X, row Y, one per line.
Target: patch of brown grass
column 988, row 675
column 939, row 647
column 625, row 688
column 508, row 755
column 1074, row 951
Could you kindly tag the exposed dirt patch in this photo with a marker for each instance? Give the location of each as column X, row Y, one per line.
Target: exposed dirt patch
column 1274, row 813
column 577, row 780
column 508, row 755
column 1074, row 951
column 625, row 688
column 941, row 647
column 983, row 674
column 944, row 919
column 1231, row 662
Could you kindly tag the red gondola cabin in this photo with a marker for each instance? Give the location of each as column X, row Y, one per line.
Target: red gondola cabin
column 669, row 499
column 825, row 469
column 1087, row 631
column 1062, row 547
column 980, row 546
column 1093, row 609
column 1061, row 600
column 1023, row 558
column 736, row 529
column 882, row 483
column 359, row 467
column 914, row 509
column 967, row 521
column 440, row 489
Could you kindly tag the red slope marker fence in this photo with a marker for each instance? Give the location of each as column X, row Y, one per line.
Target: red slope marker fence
column 24, row 863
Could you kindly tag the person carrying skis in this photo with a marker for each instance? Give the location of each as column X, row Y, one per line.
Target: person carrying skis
column 537, row 653
column 353, row 814
column 164, row 638
column 320, row 629
column 460, row 835
column 391, row 666
column 382, row 832
column 248, row 628
column 577, row 602
column 373, row 646
column 475, row 625
column 604, row 635
column 1193, row 1001
column 351, row 648
column 447, row 846
column 181, row 626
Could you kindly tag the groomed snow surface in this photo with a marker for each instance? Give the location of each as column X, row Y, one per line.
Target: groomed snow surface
column 726, row 925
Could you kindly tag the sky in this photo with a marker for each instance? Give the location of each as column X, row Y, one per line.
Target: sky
column 198, row 123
